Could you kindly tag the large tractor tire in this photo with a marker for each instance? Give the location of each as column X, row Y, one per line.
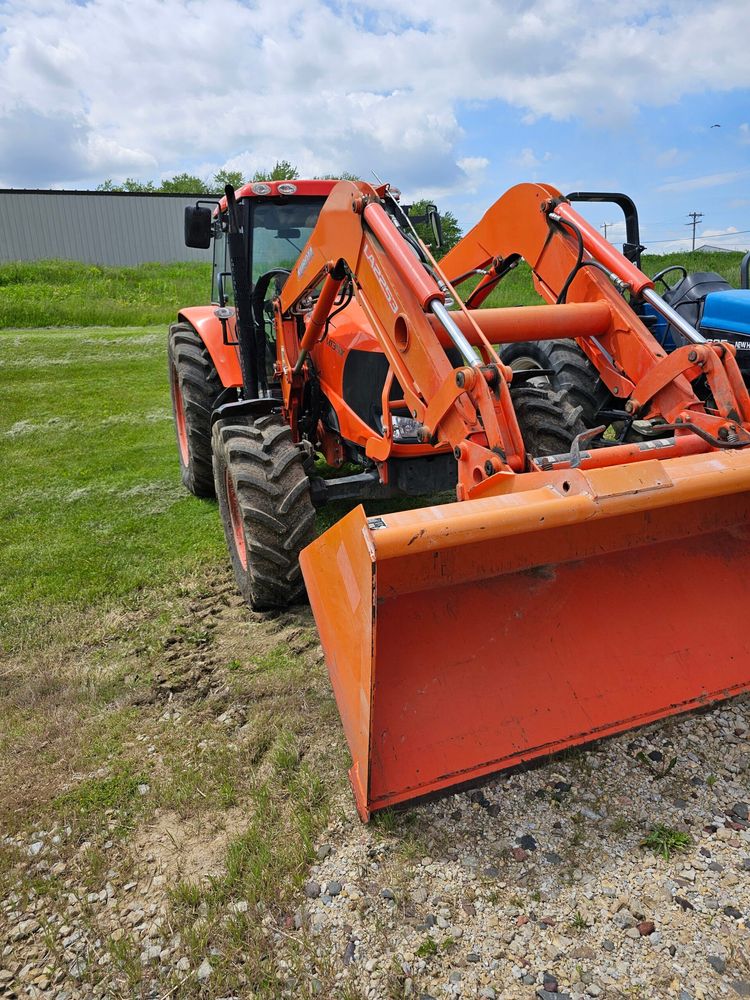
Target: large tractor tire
column 548, row 420
column 264, row 500
column 195, row 387
column 571, row 370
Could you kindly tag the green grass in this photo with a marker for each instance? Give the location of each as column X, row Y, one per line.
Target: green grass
column 665, row 841
column 516, row 288
column 92, row 797
column 427, row 948
column 725, row 264
column 68, row 293
column 93, row 511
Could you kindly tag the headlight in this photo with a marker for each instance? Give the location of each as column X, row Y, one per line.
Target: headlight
column 404, row 428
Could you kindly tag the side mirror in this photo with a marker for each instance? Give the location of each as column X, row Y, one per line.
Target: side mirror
column 433, row 218
column 197, row 227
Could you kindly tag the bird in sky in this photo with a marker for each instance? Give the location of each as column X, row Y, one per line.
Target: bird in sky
column 716, row 126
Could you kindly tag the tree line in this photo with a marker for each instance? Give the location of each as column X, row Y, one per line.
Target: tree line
column 282, row 170
column 186, row 183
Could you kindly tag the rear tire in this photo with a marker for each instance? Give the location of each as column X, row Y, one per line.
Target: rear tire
column 548, row 421
column 264, row 500
column 195, row 386
column 572, row 371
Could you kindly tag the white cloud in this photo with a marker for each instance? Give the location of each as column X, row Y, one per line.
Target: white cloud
column 727, row 238
column 668, row 157
column 706, row 181
column 108, row 88
column 527, row 159
column 745, row 134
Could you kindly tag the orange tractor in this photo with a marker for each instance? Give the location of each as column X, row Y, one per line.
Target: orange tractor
column 563, row 598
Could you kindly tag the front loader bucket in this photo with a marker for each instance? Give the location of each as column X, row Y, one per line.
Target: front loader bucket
column 466, row 638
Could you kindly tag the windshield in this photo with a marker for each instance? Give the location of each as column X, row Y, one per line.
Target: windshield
column 279, row 232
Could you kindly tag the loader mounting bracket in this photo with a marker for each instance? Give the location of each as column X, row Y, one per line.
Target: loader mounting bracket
column 245, row 408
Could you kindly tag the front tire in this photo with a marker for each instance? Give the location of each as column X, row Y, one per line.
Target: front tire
column 195, row 386
column 264, row 501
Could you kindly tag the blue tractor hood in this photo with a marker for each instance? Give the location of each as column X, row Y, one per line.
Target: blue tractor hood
column 727, row 312
column 726, row 316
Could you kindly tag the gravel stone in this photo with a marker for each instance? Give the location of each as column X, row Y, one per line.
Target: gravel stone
column 334, row 888
column 717, row 963
column 312, row 890
column 348, row 957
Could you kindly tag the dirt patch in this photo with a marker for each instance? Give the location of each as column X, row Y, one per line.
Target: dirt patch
column 188, row 850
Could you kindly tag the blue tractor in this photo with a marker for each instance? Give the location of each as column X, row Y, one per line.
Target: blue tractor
column 710, row 304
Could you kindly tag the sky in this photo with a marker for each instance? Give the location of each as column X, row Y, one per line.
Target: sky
column 455, row 102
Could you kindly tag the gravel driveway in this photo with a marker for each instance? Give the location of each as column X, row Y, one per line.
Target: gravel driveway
column 538, row 884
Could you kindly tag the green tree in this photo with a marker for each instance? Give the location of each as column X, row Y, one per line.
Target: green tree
column 129, row 184
column 283, row 170
column 184, row 184
column 452, row 232
column 223, row 177
column 342, row 175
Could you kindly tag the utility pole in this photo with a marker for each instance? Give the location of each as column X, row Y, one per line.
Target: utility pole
column 696, row 217
column 605, row 226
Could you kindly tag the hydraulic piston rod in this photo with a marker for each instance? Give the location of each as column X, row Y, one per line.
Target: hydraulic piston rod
column 672, row 316
column 449, row 325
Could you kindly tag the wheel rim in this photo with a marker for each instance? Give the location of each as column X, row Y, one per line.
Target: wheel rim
column 235, row 519
column 528, row 364
column 179, row 416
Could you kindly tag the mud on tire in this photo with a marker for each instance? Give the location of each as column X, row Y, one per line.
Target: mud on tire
column 264, row 500
column 548, row 420
column 195, row 387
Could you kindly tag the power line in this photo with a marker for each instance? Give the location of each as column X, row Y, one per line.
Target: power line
column 718, row 236
column 696, row 217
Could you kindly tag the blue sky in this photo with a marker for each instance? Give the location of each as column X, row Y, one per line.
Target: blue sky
column 671, row 160
column 444, row 101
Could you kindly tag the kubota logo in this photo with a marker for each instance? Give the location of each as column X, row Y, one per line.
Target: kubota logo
column 304, row 262
column 390, row 297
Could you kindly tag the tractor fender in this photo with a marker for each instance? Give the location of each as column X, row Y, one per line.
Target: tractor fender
column 208, row 327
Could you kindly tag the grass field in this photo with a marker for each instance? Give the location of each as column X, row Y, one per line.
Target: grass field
column 125, row 651
column 65, row 293
column 93, row 511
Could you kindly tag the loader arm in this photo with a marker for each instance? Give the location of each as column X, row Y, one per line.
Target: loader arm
column 535, row 222
column 465, row 638
column 468, row 407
